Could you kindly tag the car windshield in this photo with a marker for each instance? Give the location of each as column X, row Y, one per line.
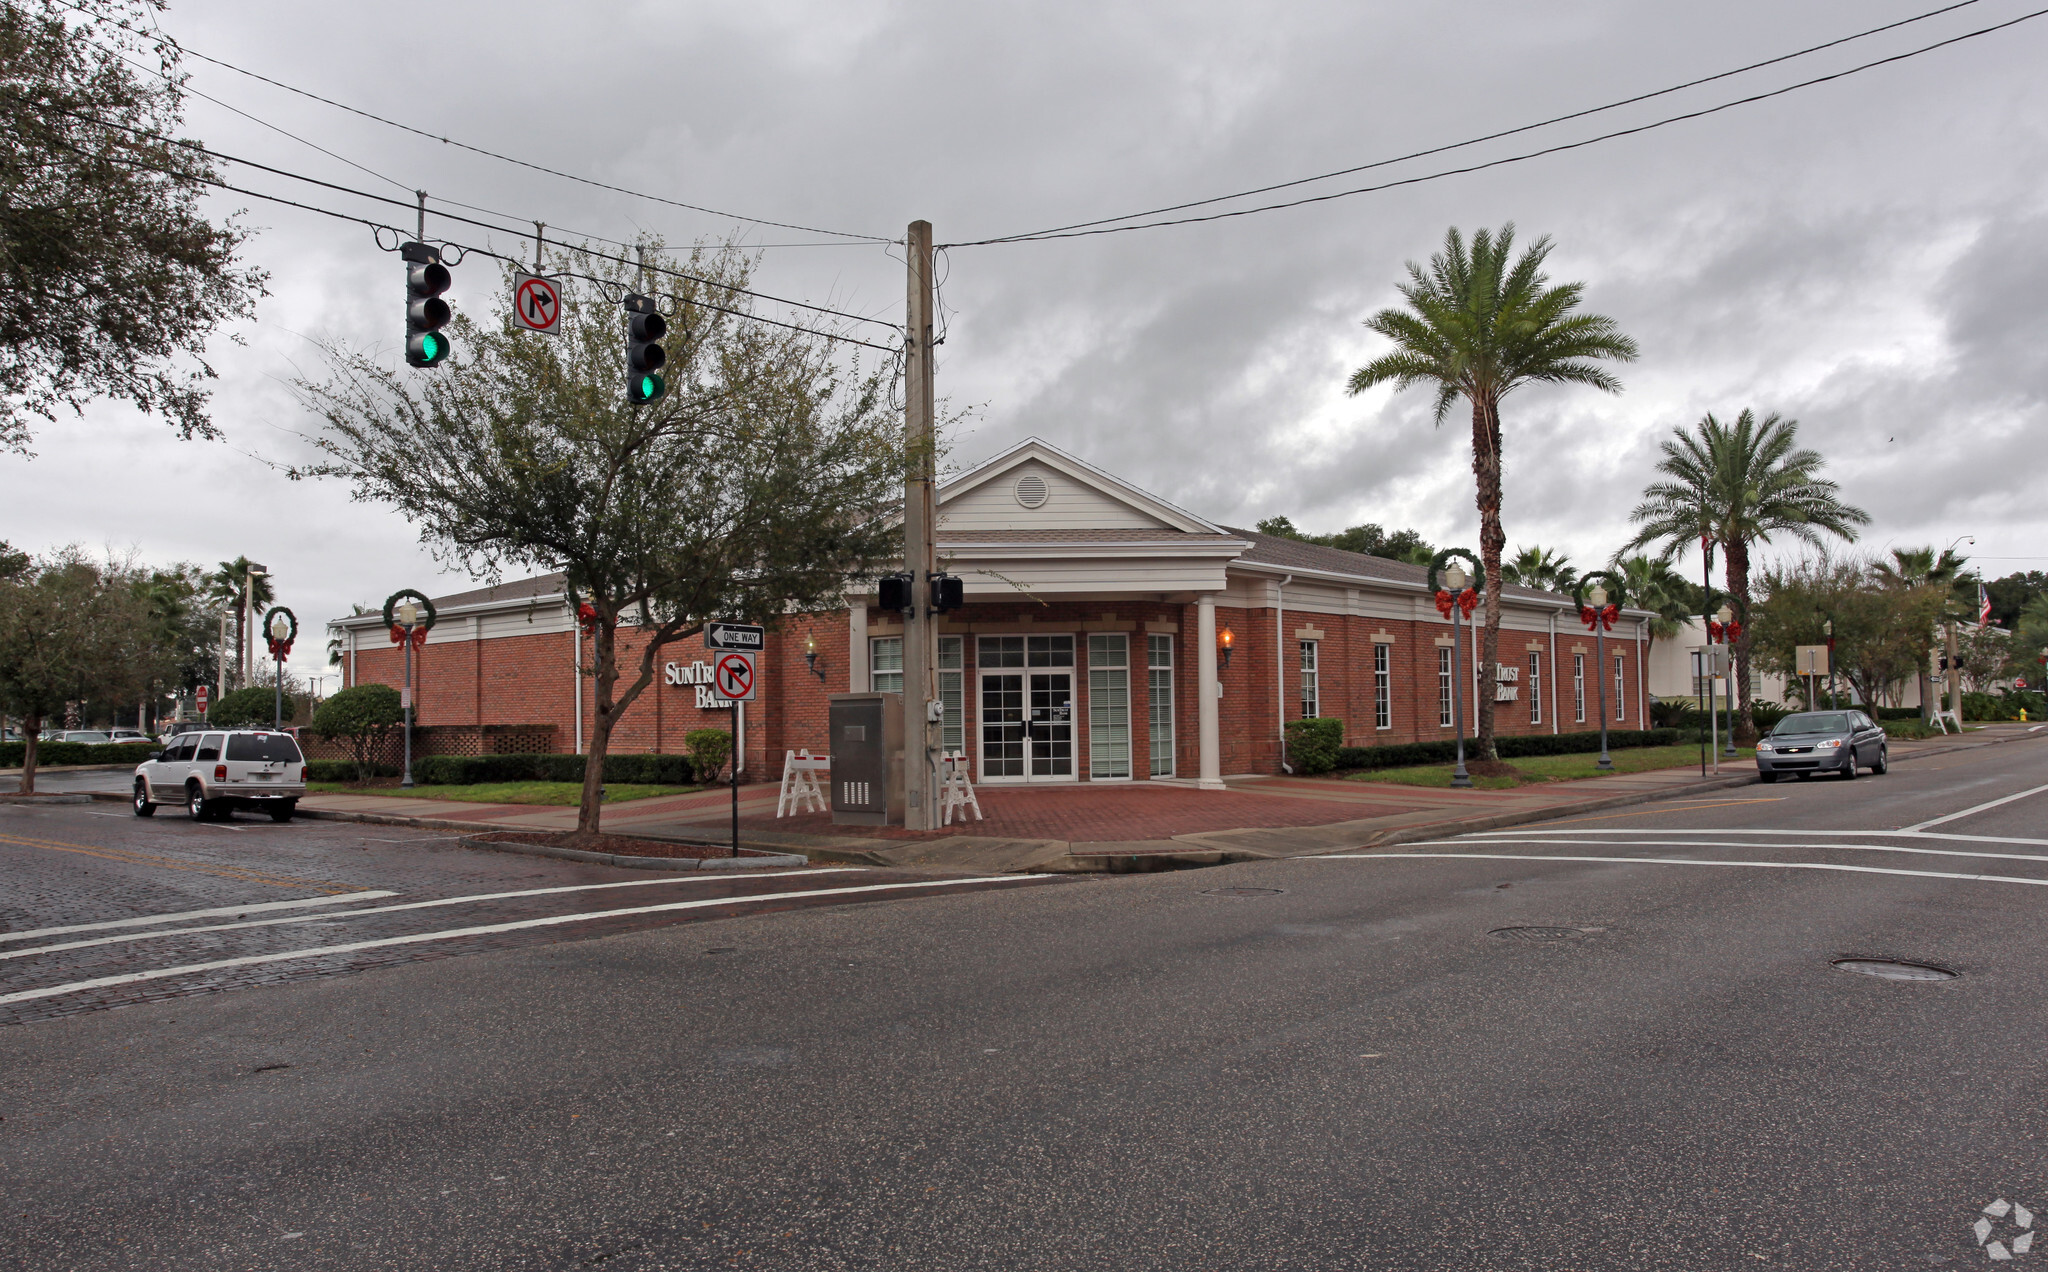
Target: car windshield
column 80, row 736
column 263, row 746
column 1814, row 722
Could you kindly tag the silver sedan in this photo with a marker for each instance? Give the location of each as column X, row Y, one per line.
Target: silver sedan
column 1822, row 742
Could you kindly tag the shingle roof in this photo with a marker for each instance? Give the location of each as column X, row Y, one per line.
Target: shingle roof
column 1133, row 535
column 1293, row 554
column 516, row 590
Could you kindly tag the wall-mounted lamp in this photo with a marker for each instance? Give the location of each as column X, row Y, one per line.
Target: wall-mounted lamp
column 1224, row 641
column 811, row 654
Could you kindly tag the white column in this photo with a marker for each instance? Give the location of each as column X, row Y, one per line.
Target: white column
column 1209, row 731
column 857, row 644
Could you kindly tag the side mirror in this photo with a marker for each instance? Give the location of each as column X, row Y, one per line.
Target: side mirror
column 156, row 757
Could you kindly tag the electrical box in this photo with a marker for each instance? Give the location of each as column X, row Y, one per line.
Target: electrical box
column 867, row 758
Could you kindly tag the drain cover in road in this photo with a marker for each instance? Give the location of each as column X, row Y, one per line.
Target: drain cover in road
column 1893, row 969
column 1242, row 892
column 1537, row 934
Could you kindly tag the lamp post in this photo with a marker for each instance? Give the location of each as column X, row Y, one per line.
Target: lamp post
column 281, row 628
column 1455, row 598
column 1598, row 611
column 1827, row 629
column 410, row 615
column 408, row 618
column 247, row 653
column 1725, row 630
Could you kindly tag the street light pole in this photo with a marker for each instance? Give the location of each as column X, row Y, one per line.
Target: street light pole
column 1452, row 598
column 408, row 618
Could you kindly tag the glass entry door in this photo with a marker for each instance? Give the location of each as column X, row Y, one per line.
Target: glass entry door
column 1026, row 705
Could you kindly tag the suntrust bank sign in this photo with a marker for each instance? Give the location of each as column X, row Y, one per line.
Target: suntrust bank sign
column 698, row 674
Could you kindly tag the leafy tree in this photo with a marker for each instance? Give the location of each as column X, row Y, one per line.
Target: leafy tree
column 756, row 487
column 1733, row 486
column 110, row 279
column 1479, row 324
column 250, row 707
column 1368, row 540
column 1880, row 626
column 71, row 629
column 232, row 587
column 183, row 624
column 1921, row 567
column 359, row 717
column 2012, row 594
column 1540, row 567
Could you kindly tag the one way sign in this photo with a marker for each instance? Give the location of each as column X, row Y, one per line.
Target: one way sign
column 536, row 303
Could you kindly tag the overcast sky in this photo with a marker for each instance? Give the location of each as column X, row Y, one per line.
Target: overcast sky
column 1869, row 256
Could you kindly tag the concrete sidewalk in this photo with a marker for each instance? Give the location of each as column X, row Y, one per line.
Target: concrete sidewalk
column 1123, row 826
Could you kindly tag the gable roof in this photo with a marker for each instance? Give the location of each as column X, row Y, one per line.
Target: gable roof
column 1292, row 554
column 1080, row 471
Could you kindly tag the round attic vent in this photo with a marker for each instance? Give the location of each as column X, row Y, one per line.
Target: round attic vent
column 1032, row 490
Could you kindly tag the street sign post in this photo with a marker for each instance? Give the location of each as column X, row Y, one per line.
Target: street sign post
column 536, row 303
column 733, row 678
column 203, row 698
column 746, row 636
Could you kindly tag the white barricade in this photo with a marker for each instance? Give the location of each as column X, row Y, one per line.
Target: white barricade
column 802, row 789
column 956, row 792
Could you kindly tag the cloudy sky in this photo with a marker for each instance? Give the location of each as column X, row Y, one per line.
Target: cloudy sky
column 1869, row 256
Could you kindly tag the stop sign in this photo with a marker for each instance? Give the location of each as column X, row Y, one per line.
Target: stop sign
column 202, row 699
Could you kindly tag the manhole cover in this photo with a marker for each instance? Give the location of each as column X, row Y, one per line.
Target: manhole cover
column 1242, row 892
column 1893, row 969
column 1537, row 934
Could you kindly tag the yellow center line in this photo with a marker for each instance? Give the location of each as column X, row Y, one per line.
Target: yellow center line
column 1690, row 806
column 173, row 863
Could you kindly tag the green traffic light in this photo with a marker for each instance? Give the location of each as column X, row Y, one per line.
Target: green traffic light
column 430, row 347
column 648, row 388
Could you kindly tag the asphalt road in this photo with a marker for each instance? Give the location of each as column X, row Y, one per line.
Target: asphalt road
column 1345, row 1066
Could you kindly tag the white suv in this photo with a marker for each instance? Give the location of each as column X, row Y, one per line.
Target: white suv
column 216, row 772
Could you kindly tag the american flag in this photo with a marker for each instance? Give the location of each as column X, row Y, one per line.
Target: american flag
column 1983, row 605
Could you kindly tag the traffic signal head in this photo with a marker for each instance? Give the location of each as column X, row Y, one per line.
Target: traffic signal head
column 893, row 592
column 949, row 593
column 645, row 330
column 425, row 312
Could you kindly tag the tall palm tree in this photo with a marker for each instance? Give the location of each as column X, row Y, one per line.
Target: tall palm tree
column 1912, row 568
column 1653, row 585
column 1735, row 485
column 230, row 586
column 1540, row 567
column 1479, row 324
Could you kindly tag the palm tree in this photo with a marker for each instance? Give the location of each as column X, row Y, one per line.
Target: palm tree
column 1480, row 324
column 230, row 586
column 1653, row 585
column 1734, row 485
column 1912, row 568
column 1540, row 567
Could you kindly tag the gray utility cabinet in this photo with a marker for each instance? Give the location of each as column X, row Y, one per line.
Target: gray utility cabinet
column 867, row 759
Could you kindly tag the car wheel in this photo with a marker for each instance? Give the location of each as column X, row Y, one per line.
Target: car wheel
column 1849, row 769
column 143, row 808
column 1884, row 762
column 284, row 814
column 1804, row 776
column 1766, row 777
column 197, row 806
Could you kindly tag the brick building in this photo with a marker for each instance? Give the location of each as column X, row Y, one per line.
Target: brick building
column 1094, row 613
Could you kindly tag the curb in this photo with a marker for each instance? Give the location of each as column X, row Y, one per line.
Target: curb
column 55, row 797
column 779, row 861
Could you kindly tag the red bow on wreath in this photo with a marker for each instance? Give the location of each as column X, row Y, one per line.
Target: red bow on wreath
column 419, row 634
column 1465, row 602
column 586, row 616
column 1717, row 632
column 1603, row 618
column 279, row 648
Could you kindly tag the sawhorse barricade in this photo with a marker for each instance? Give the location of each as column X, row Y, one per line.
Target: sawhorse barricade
column 956, row 791
column 803, row 787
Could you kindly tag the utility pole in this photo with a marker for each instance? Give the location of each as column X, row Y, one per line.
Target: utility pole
column 920, row 553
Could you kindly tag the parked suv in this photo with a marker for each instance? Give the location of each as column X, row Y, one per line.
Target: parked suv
column 215, row 772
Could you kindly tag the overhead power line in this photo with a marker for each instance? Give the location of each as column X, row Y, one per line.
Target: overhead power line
column 1087, row 229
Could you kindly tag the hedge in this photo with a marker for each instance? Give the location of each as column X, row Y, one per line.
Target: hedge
column 1313, row 743
column 1406, row 754
column 469, row 770
column 343, row 770
column 12, row 753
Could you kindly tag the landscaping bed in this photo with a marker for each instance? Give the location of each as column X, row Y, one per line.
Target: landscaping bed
column 530, row 792
column 616, row 845
column 1529, row 770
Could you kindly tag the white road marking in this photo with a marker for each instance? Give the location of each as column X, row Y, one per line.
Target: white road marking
column 1967, row 812
column 487, row 929
column 1709, row 843
column 331, row 915
column 146, row 920
column 1667, row 861
column 1488, row 836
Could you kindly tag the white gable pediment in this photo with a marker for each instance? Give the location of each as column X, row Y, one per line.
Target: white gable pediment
column 1034, row 486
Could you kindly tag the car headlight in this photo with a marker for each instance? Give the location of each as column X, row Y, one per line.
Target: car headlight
column 1763, row 745
column 1832, row 744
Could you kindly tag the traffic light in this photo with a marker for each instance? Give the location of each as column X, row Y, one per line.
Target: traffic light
column 893, row 593
column 948, row 593
column 425, row 312
column 645, row 330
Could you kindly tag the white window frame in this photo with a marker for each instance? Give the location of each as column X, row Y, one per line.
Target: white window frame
column 953, row 692
column 879, row 651
column 1159, row 703
column 1109, row 689
column 1382, row 685
column 1578, row 688
column 1311, row 681
column 1444, row 709
column 1535, row 687
column 1620, row 687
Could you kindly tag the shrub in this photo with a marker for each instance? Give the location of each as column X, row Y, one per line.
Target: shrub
column 13, row 753
column 709, row 750
column 472, row 770
column 1406, row 754
column 343, row 770
column 247, row 708
column 358, row 717
column 1312, row 744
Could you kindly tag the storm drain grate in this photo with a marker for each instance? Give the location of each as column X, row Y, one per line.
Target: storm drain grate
column 1893, row 969
column 1242, row 892
column 1537, row 933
